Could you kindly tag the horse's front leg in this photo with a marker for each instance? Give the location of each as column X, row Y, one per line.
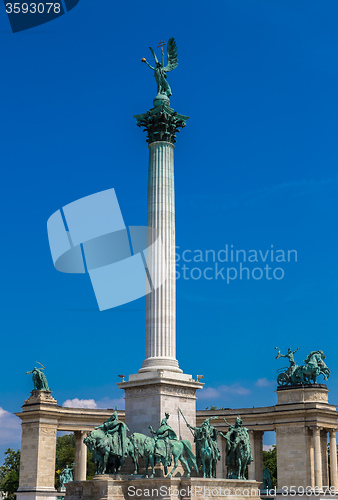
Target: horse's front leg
column 186, row 465
column 105, row 461
column 175, row 466
column 147, row 463
column 152, row 464
column 239, row 476
column 203, row 464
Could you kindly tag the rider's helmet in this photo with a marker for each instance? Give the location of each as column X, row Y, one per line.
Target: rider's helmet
column 238, row 421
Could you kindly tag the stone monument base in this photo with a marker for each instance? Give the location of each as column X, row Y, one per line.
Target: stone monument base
column 182, row 488
column 37, row 494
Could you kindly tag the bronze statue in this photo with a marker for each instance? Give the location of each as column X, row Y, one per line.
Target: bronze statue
column 163, row 437
column 207, row 452
column 109, row 444
column 39, row 379
column 238, row 450
column 66, row 476
column 160, row 71
column 305, row 374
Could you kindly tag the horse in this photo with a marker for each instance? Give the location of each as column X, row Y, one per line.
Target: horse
column 314, row 366
column 238, row 457
column 207, row 458
column 101, row 445
column 141, row 445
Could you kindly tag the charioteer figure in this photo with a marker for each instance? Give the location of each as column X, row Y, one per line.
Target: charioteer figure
column 290, row 357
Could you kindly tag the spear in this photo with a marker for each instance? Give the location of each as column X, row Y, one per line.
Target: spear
column 185, row 421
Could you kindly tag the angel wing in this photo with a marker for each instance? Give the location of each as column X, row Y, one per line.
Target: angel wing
column 171, row 55
column 153, row 53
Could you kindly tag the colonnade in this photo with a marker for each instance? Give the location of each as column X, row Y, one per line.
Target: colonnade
column 320, row 462
column 307, row 454
column 302, row 420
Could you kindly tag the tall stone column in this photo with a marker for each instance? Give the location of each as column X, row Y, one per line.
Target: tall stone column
column 161, row 124
column 161, row 302
column 38, row 449
column 333, row 458
column 317, row 457
column 80, row 472
column 160, row 386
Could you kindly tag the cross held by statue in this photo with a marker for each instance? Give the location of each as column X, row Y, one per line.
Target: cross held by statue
column 161, row 44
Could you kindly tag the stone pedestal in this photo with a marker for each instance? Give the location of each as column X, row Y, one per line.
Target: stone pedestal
column 38, row 448
column 108, row 488
column 302, row 445
column 149, row 395
column 302, row 394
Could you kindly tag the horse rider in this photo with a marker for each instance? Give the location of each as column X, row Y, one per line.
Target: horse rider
column 236, row 433
column 163, row 437
column 210, row 433
column 118, row 431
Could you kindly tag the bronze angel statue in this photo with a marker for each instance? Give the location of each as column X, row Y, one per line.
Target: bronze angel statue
column 163, row 87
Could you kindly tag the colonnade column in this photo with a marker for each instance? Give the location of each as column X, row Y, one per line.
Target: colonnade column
column 80, row 472
column 333, row 458
column 255, row 469
column 317, row 457
column 221, row 471
column 251, row 467
column 325, row 458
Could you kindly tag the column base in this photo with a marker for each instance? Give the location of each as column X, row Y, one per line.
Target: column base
column 149, row 395
column 156, row 364
column 37, row 494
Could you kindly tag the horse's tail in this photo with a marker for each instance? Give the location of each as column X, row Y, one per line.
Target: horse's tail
column 189, row 455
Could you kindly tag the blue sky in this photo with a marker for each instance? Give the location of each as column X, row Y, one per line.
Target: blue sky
column 256, row 166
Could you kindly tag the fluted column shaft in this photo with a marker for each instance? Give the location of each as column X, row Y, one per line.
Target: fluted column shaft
column 80, row 472
column 317, row 457
column 333, row 458
column 161, row 302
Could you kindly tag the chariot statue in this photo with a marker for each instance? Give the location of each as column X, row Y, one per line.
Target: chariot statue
column 238, row 449
column 314, row 366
